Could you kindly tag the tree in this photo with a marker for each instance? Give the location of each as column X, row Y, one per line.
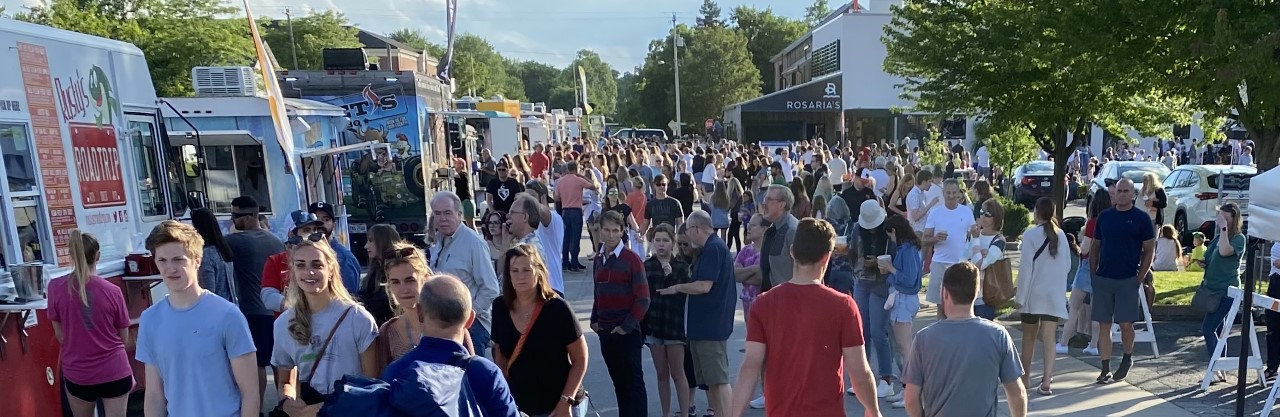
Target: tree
column 174, row 35
column 479, row 69
column 414, row 38
column 1224, row 56
column 710, row 14
column 311, row 35
column 767, row 34
column 1054, row 78
column 814, row 14
column 628, row 113
column 723, row 74
column 538, row 79
column 602, row 85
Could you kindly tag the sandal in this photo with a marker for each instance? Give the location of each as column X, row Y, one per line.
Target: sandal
column 710, row 413
column 1044, row 387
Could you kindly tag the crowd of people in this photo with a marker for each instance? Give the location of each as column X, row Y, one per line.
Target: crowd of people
column 826, row 247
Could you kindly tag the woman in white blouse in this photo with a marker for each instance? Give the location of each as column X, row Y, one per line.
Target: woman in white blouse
column 1042, row 275
column 987, row 248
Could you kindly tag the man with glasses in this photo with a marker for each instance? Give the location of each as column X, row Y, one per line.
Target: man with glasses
column 463, row 253
column 775, row 252
column 551, row 232
column 501, row 191
column 1128, row 238
column 250, row 248
column 348, row 265
column 662, row 208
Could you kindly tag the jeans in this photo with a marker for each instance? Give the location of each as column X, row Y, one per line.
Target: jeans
column 1273, row 325
column 480, row 338
column 875, row 326
column 572, row 246
column 1213, row 323
column 984, row 311
column 622, row 357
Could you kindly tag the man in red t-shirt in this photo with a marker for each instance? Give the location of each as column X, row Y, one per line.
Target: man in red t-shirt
column 538, row 162
column 814, row 328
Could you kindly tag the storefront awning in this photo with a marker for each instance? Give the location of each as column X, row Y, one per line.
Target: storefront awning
column 214, row 138
column 820, row 95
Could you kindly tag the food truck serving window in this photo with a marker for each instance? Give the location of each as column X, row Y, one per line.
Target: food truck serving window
column 26, row 232
column 146, row 161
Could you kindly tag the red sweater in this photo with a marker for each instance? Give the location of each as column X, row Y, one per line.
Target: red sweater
column 621, row 291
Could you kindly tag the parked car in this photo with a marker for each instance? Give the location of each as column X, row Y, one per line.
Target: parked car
column 1196, row 191
column 1133, row 170
column 1031, row 181
column 627, row 134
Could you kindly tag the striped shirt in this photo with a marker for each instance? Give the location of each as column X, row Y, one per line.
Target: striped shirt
column 621, row 290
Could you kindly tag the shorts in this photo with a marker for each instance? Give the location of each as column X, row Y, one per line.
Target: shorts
column 468, row 210
column 709, row 187
column 905, row 308
column 710, row 361
column 262, row 329
column 1037, row 318
column 1115, row 300
column 653, row 341
column 92, row 393
column 934, row 293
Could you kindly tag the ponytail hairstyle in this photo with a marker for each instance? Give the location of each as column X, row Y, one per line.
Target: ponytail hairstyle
column 1045, row 211
column 300, row 323
column 84, row 257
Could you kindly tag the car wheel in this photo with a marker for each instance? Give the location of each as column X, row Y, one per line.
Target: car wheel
column 1180, row 224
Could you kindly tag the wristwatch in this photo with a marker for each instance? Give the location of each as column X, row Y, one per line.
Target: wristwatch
column 570, row 400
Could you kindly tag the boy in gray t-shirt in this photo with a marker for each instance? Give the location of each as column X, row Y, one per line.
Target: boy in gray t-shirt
column 957, row 364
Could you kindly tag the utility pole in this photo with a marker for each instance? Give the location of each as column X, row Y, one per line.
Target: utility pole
column 676, row 43
column 293, row 45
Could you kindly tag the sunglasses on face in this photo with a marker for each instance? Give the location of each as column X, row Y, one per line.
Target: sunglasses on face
column 313, row 238
column 239, row 215
column 987, row 214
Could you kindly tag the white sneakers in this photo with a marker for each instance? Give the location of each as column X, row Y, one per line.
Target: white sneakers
column 1062, row 349
column 758, row 403
column 895, row 397
column 1091, row 350
column 883, row 389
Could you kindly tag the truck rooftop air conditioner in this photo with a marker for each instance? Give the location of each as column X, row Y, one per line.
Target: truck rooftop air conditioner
column 224, row 81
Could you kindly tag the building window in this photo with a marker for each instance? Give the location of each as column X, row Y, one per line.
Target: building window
column 826, row 59
column 146, row 160
column 27, row 234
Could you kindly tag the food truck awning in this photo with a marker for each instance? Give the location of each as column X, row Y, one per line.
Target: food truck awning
column 1264, row 205
column 214, row 138
column 359, row 147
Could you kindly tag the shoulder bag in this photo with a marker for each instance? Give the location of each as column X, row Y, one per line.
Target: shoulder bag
column 1205, row 301
column 997, row 279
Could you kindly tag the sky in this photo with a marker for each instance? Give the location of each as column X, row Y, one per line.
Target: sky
column 549, row 31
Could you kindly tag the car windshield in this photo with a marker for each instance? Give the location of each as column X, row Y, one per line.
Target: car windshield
column 1038, row 166
column 1136, row 172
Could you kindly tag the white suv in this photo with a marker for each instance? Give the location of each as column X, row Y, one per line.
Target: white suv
column 1196, row 191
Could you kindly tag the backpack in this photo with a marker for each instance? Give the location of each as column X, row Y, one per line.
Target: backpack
column 424, row 390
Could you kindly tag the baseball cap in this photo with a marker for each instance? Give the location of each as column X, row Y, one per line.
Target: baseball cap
column 1197, row 234
column 301, row 218
column 321, row 206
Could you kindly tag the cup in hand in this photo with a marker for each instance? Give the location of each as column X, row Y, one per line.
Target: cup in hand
column 842, row 244
column 884, row 261
column 941, row 236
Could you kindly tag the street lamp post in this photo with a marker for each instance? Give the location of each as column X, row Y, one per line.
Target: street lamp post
column 676, row 42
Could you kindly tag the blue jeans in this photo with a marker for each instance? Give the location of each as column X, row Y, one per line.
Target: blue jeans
column 875, row 326
column 572, row 246
column 480, row 338
column 1213, row 323
column 984, row 311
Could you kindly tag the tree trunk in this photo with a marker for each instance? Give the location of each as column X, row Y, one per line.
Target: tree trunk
column 1266, row 149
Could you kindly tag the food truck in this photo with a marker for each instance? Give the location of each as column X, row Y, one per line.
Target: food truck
column 83, row 148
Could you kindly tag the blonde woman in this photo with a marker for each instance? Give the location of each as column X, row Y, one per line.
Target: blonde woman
column 324, row 335
column 1153, row 198
column 91, row 322
column 406, row 271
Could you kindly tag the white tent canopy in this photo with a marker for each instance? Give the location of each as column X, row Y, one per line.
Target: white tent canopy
column 1264, row 205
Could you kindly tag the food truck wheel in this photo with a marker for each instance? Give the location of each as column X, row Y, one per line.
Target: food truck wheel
column 413, row 176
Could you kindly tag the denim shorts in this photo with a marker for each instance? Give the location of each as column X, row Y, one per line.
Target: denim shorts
column 905, row 309
column 653, row 341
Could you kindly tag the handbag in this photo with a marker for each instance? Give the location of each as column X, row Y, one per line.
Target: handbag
column 1206, row 301
column 997, row 279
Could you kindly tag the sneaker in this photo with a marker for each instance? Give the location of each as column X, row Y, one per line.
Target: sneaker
column 1091, row 351
column 850, row 392
column 758, row 403
column 899, row 404
column 1123, row 370
column 1269, row 376
column 895, row 397
column 1104, row 379
column 1062, row 349
column 883, row 389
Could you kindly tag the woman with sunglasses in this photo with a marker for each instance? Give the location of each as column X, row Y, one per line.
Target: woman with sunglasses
column 1222, row 270
column 496, row 234
column 319, row 309
column 536, row 339
column 406, row 271
column 987, row 248
column 380, row 239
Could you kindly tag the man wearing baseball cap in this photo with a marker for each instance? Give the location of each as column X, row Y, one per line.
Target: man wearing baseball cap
column 346, row 260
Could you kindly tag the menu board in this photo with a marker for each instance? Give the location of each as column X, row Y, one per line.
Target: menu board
column 97, row 165
column 47, row 132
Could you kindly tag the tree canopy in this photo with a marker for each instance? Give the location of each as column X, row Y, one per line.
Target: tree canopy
column 816, row 12
column 311, row 35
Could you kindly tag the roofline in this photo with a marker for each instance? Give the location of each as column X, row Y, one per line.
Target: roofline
column 788, row 89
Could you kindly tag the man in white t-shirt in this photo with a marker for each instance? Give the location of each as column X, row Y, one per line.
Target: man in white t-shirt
column 836, row 168
column 918, row 202
column 781, row 156
column 983, row 162
column 947, row 228
column 880, row 175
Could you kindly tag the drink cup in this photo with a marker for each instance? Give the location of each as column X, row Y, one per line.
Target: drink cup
column 941, row 236
column 842, row 244
column 884, row 261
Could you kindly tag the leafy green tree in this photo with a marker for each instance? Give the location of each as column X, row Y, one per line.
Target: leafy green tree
column 312, row 34
column 628, row 113
column 709, row 14
column 538, row 79
column 1009, row 146
column 816, row 12
column 1221, row 55
column 602, row 85
column 721, row 74
column 416, row 40
column 479, row 69
column 514, row 86
column 174, row 35
column 1036, row 66
column 767, row 34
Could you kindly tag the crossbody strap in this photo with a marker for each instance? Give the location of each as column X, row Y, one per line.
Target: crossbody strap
column 325, row 346
column 537, row 310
